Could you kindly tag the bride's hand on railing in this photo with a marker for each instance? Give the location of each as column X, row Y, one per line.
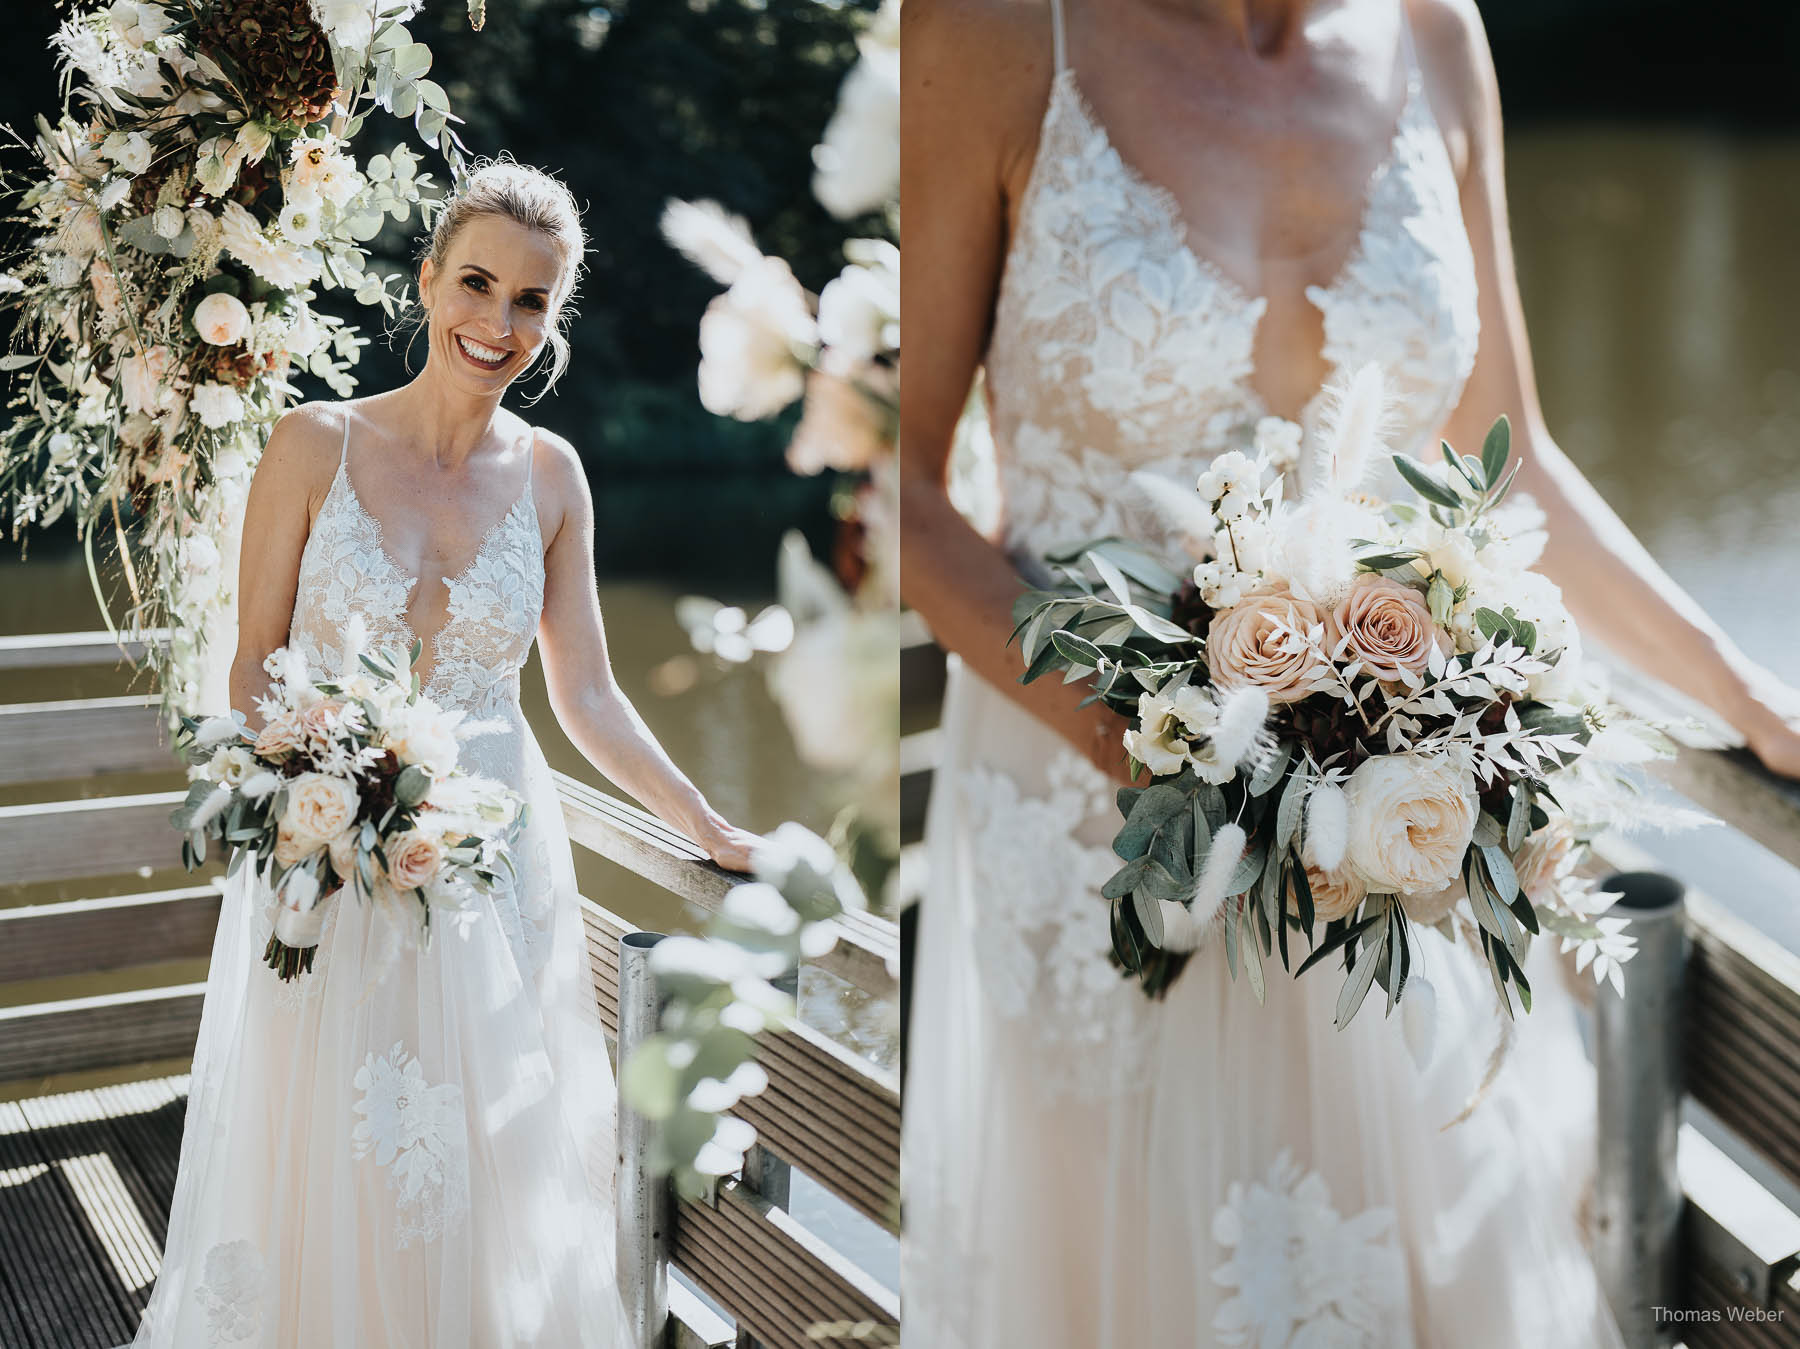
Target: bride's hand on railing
column 1770, row 721
column 728, row 845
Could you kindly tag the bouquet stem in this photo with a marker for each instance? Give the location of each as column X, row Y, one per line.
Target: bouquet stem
column 288, row 961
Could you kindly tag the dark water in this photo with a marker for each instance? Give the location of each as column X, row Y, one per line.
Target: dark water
column 1660, row 279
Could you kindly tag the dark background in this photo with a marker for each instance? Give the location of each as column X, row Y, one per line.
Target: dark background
column 631, row 102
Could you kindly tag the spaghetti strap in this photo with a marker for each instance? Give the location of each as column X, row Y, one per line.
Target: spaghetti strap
column 530, row 452
column 1056, row 29
column 344, row 453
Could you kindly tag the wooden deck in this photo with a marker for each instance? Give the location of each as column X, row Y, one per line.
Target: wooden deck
column 86, row 1178
column 92, row 1103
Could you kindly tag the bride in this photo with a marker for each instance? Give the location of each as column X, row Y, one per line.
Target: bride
column 1157, row 224
column 414, row 1150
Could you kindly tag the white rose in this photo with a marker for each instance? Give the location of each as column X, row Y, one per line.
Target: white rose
column 221, row 319
column 217, row 405
column 128, row 150
column 1411, row 818
column 319, row 807
column 750, row 365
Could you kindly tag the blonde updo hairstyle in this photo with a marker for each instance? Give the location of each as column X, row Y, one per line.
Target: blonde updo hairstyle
column 532, row 198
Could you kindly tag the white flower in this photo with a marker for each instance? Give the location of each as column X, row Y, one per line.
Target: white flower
column 299, row 219
column 217, row 166
column 1158, row 744
column 1232, row 473
column 1278, row 441
column 752, row 341
column 115, row 191
column 143, row 379
column 129, row 151
column 859, row 312
column 168, row 221
column 1411, row 818
column 217, row 405
column 419, row 733
column 221, row 319
column 858, row 161
column 10, row 284
column 254, row 139
column 350, row 23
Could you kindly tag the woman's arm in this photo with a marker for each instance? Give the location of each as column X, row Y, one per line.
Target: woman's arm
column 593, row 710
column 295, row 465
column 974, row 77
column 1613, row 587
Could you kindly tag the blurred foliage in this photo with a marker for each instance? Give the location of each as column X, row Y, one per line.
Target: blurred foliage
column 631, row 103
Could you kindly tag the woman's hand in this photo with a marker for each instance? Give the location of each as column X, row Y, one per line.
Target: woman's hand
column 728, row 845
column 1770, row 721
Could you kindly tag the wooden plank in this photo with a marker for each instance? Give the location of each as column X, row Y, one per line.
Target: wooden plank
column 777, row 1279
column 87, row 936
column 76, row 840
column 639, row 842
column 105, row 1031
column 59, row 650
column 82, row 737
column 826, row 1110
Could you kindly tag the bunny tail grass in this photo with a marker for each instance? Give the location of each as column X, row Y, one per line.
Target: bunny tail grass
column 1176, row 511
column 1239, row 736
column 1226, row 852
column 711, row 238
column 1327, row 826
column 1352, row 432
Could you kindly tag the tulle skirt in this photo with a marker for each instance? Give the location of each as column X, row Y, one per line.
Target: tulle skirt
column 410, row 1147
column 1087, row 1169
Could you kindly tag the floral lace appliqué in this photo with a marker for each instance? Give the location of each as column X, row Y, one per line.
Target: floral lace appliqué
column 418, row 1134
column 1305, row 1277
column 1043, row 934
column 1117, row 347
column 231, row 1291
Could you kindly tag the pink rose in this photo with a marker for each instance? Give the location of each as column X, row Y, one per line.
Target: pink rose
column 291, row 845
column 1389, row 626
column 320, row 724
column 1543, row 858
column 413, row 858
column 221, row 319
column 841, row 428
column 1243, row 646
column 1335, row 894
column 144, row 379
column 281, row 736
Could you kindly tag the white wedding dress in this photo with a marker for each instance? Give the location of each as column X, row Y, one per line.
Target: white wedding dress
column 411, row 1147
column 1088, row 1169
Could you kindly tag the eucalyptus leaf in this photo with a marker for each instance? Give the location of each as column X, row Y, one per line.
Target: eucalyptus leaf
column 1269, row 771
column 1252, row 956
column 1425, row 485
column 1076, row 650
column 1518, row 822
column 1149, row 916
column 412, row 785
column 1293, row 805
column 1496, row 449
column 1356, row 986
column 1125, row 879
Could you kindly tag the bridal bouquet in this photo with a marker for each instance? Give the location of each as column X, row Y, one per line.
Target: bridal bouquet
column 351, row 784
column 1358, row 713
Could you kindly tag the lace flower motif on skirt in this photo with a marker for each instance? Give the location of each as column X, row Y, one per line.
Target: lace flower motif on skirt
column 1043, row 935
column 418, row 1134
column 231, row 1293
column 1305, row 1277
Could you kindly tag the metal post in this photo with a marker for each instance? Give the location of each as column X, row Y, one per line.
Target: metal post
column 1637, row 1051
column 645, row 1203
column 764, row 1172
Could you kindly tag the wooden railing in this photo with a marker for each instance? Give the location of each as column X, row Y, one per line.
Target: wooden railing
column 827, row 1112
column 1740, row 1243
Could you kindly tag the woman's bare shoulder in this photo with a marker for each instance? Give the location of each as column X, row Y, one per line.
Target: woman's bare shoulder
column 304, row 446
column 1453, row 51
column 983, row 66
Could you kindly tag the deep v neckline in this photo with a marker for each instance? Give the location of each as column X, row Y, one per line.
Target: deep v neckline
column 413, row 578
column 1169, row 210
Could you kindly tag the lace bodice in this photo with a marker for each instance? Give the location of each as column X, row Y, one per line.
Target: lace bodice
column 473, row 660
column 1117, row 347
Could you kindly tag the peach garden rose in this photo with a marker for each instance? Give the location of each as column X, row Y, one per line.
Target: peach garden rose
column 1411, row 819
column 1243, row 645
column 413, row 858
column 1388, row 625
column 320, row 807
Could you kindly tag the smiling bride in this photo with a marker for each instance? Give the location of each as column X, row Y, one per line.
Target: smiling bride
column 416, row 1150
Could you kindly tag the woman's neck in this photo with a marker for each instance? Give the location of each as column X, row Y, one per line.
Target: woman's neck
column 1262, row 26
column 448, row 424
